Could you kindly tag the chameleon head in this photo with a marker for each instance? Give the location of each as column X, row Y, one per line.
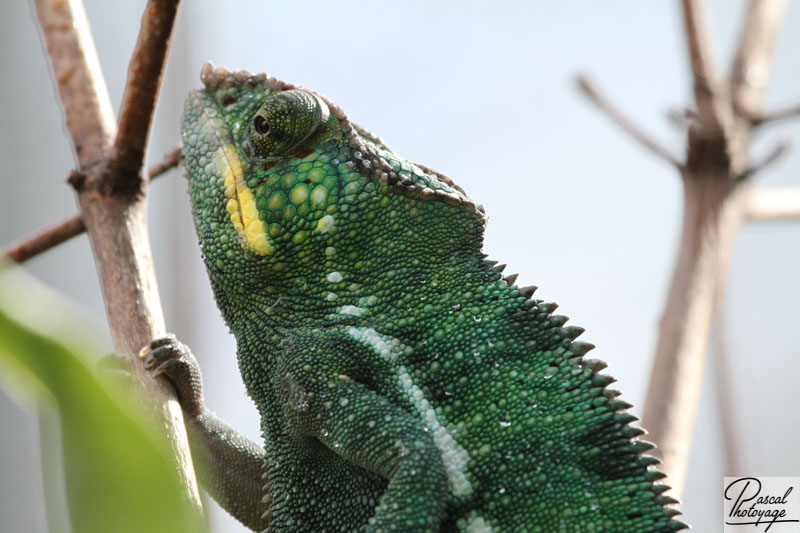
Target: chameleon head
column 281, row 181
column 260, row 156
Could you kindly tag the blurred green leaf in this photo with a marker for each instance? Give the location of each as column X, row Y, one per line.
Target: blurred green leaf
column 119, row 474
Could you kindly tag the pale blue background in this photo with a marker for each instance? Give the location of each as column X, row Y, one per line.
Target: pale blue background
column 483, row 92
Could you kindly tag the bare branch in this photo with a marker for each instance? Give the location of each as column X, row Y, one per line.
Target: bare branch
column 588, row 88
column 139, row 100
column 772, row 204
column 776, row 153
column 170, row 160
column 753, row 60
column 717, row 155
column 116, row 223
column 704, row 75
column 711, row 221
column 760, row 119
column 76, row 69
column 52, row 236
column 44, row 239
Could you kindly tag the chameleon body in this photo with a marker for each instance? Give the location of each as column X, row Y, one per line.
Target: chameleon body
column 403, row 383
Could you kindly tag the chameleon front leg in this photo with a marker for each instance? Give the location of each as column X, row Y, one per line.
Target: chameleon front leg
column 320, row 400
column 229, row 465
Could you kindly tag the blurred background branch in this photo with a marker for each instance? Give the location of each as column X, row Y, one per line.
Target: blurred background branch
column 715, row 180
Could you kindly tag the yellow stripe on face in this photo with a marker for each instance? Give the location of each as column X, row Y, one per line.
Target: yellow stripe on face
column 241, row 205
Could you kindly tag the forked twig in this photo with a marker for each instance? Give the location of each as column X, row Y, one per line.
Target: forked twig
column 112, row 189
column 141, row 91
column 716, row 163
column 713, row 173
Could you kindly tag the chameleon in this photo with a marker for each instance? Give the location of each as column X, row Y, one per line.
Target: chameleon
column 403, row 382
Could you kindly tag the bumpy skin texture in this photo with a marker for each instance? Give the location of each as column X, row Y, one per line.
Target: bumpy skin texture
column 403, row 383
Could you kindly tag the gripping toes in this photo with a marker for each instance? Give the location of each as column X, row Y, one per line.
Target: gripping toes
column 171, row 358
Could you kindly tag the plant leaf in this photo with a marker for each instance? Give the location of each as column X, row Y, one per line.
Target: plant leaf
column 119, row 474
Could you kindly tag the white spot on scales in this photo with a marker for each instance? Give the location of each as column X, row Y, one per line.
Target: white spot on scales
column 350, row 310
column 474, row 524
column 325, row 224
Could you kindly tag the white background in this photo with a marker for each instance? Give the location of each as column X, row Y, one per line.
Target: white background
column 483, row 92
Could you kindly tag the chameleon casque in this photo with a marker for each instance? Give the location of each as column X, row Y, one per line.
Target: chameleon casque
column 403, row 383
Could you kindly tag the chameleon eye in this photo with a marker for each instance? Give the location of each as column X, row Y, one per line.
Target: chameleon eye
column 289, row 122
column 261, row 125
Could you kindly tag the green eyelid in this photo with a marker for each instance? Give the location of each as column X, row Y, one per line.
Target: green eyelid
column 287, row 122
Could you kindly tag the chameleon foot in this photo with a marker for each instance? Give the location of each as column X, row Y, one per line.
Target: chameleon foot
column 171, row 358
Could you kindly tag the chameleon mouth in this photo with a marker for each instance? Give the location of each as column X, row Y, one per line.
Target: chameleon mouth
column 215, row 137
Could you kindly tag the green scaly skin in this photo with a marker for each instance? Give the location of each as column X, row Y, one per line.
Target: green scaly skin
column 403, row 383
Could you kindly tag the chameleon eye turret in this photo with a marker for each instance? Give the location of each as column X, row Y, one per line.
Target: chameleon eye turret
column 289, row 122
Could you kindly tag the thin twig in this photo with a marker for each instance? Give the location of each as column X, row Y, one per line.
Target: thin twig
column 751, row 65
column 44, row 239
column 698, row 40
column 76, row 68
column 760, row 119
column 170, row 160
column 750, row 70
column 593, row 94
column 141, row 91
column 772, row 204
column 706, row 80
column 778, row 151
column 52, row 236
